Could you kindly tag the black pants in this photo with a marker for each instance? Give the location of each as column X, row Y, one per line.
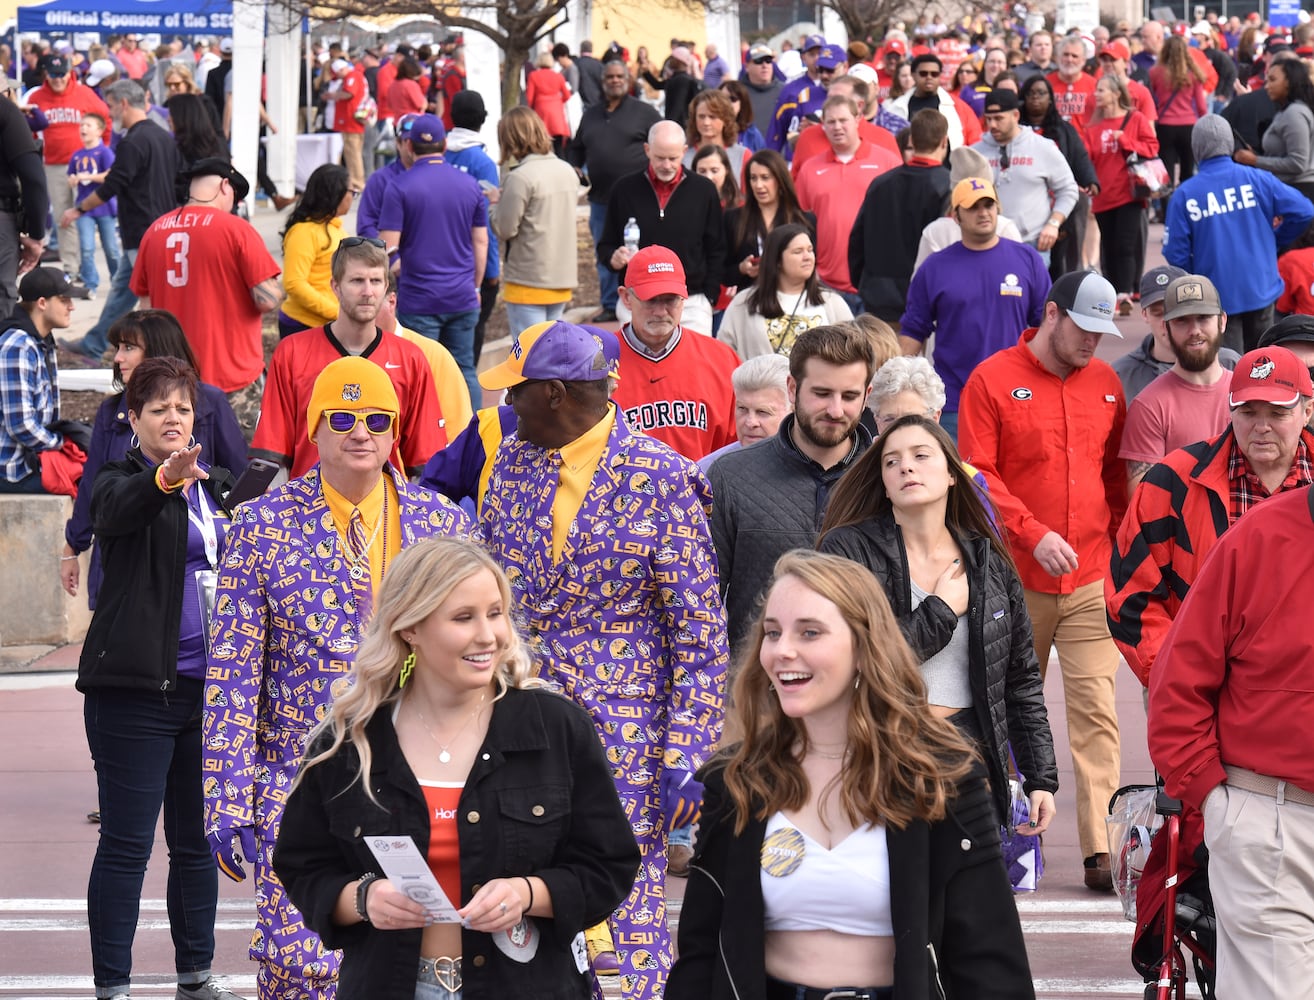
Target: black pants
column 1175, row 150
column 1244, row 329
column 1066, row 255
column 1123, row 231
column 487, row 300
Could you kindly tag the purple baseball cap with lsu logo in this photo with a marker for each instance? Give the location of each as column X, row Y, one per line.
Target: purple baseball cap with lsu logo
column 554, row 350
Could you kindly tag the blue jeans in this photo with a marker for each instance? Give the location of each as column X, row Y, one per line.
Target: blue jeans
column 455, row 331
column 30, row 483
column 119, row 303
column 682, row 837
column 608, row 280
column 522, row 317
column 146, row 746
column 428, row 991
column 107, row 226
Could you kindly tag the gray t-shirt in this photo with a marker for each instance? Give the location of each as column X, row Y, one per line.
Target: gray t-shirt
column 945, row 673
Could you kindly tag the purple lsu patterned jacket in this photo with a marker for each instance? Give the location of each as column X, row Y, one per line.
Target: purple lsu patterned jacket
column 629, row 624
column 283, row 638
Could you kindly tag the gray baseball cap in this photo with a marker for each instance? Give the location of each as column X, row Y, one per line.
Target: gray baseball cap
column 1191, row 295
column 1088, row 299
column 1154, row 283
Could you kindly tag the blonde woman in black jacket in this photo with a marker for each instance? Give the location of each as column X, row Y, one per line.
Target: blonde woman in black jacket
column 908, row 511
column 446, row 738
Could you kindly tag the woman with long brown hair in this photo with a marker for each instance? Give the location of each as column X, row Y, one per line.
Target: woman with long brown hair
column 769, row 201
column 1116, row 131
column 909, row 511
column 844, row 839
column 1177, row 86
column 712, row 122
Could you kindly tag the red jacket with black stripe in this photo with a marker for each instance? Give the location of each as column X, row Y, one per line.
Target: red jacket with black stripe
column 1177, row 513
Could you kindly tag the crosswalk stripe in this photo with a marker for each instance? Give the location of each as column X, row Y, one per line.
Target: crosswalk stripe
column 76, row 905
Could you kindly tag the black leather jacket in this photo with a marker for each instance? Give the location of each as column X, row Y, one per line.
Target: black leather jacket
column 1007, row 691
column 956, row 928
column 539, row 800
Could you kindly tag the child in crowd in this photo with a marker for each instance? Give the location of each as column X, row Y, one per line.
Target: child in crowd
column 86, row 170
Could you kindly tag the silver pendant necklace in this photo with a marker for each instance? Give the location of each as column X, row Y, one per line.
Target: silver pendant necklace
column 444, row 754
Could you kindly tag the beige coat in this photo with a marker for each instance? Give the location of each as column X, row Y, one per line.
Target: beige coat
column 535, row 220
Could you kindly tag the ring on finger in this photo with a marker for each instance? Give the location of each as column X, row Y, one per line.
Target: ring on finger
column 502, row 907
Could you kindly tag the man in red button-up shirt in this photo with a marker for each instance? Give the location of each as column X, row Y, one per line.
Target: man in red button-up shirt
column 1043, row 422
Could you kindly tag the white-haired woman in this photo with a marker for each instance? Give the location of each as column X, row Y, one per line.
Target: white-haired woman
column 447, row 739
column 909, row 387
column 761, row 402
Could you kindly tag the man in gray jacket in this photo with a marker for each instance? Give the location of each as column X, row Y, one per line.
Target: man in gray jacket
column 771, row 497
column 1035, row 184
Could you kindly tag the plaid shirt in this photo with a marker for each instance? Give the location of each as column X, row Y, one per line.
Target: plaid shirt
column 1247, row 490
column 29, row 399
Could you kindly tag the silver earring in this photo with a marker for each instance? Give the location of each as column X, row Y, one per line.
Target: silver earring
column 856, row 682
column 135, row 442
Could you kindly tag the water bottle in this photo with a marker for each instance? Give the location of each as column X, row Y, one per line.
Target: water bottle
column 631, row 235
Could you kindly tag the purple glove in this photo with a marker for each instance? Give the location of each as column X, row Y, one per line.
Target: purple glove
column 224, row 843
column 682, row 798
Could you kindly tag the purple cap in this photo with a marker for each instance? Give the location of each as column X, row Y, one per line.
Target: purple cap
column 556, row 350
column 831, row 56
column 813, row 42
column 428, row 129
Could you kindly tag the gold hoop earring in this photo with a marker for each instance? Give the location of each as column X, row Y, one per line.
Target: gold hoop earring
column 408, row 667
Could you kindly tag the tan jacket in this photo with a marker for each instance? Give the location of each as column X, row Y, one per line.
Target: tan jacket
column 535, row 220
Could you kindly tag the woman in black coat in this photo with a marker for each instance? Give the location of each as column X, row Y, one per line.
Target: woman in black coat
column 159, row 517
column 908, row 511
column 445, row 739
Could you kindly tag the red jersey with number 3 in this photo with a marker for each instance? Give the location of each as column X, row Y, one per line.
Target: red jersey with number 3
column 201, row 264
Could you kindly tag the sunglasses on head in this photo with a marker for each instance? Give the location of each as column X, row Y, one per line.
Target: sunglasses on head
column 355, row 241
column 344, row 421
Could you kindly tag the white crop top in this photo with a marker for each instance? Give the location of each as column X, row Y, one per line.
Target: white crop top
column 806, row 887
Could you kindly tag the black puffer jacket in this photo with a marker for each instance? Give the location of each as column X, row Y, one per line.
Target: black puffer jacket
column 1006, row 688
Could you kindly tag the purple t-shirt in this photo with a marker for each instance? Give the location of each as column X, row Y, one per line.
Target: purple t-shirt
column 435, row 206
column 976, row 302
column 93, row 161
column 191, row 638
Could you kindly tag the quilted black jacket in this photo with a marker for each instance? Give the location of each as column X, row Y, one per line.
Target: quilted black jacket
column 1006, row 688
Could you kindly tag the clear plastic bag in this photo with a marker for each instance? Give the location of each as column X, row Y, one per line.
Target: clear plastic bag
column 1132, row 824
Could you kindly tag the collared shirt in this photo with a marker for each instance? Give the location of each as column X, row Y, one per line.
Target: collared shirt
column 386, row 542
column 29, row 401
column 664, row 189
column 627, row 331
column 1048, row 447
column 579, row 461
column 1246, row 488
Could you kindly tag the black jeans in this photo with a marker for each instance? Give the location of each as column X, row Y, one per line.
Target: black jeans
column 147, row 749
column 1175, row 150
column 1123, row 231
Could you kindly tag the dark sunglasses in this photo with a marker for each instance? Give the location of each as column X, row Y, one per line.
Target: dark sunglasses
column 1003, row 158
column 355, row 241
column 928, row 72
column 344, row 421
column 763, row 60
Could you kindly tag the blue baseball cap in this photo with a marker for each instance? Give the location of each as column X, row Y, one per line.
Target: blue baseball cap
column 831, row 56
column 813, row 42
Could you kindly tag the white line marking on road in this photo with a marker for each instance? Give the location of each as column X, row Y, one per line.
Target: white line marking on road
column 52, row 924
column 1117, row 928
column 80, row 905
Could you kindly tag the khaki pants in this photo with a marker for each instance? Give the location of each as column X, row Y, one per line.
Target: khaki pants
column 1076, row 624
column 353, row 145
column 1261, row 873
column 61, row 200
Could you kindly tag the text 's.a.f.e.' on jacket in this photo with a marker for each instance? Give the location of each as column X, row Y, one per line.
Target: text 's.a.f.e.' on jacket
column 1007, row 693
column 956, row 928
column 539, row 800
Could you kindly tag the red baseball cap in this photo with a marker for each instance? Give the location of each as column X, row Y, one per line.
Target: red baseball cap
column 655, row 270
column 895, row 45
column 1270, row 375
column 1116, row 49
